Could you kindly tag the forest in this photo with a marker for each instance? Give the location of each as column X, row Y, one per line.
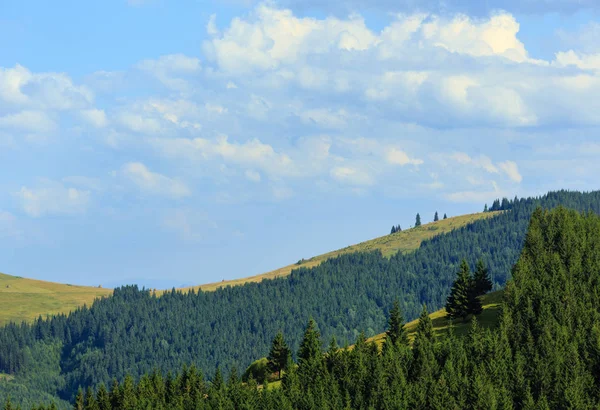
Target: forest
column 545, row 353
column 136, row 333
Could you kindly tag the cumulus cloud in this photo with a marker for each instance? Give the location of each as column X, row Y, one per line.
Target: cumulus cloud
column 171, row 69
column 50, row 91
column 53, row 198
column 154, row 183
column 398, row 157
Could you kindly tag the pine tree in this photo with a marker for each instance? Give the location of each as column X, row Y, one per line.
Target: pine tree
column 436, row 217
column 279, row 354
column 418, row 220
column 90, row 400
column 485, row 208
column 310, row 348
column 398, row 228
column 79, row 400
column 458, row 301
column 103, row 398
column 393, row 230
column 481, row 280
column 445, row 217
column 395, row 330
column 8, row 404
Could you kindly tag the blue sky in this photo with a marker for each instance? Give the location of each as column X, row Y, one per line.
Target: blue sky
column 170, row 143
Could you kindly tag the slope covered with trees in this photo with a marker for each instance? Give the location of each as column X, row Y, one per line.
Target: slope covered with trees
column 135, row 331
column 545, row 353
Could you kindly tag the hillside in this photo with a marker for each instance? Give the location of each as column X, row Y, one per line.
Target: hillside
column 405, row 241
column 25, row 299
column 135, row 331
column 441, row 324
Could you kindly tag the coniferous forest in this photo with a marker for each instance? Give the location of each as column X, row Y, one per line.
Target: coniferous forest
column 545, row 353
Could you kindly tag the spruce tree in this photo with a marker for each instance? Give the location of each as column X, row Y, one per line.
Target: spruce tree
column 395, row 331
column 103, row 398
column 79, row 400
column 310, row 348
column 481, row 280
column 436, row 217
column 279, row 354
column 459, row 300
column 445, row 217
column 90, row 400
column 418, row 220
column 393, row 230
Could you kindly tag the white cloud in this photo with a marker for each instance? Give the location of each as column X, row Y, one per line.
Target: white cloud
column 511, row 169
column 481, row 161
column 252, row 153
column 34, row 121
column 476, row 196
column 171, row 69
column 52, row 91
column 53, row 198
column 398, row 157
column 95, row 117
column 325, row 118
column 154, row 183
column 139, row 123
column 252, row 175
column 352, row 176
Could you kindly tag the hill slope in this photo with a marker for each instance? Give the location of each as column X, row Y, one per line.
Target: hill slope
column 389, row 245
column 441, row 324
column 25, row 299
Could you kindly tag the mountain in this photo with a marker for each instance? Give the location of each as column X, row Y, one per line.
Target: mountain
column 542, row 350
column 135, row 331
column 25, row 299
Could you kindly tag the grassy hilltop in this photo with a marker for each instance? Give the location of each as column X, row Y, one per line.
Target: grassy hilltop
column 25, row 299
column 405, row 241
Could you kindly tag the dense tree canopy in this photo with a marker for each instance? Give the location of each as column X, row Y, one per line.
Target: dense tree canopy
column 135, row 331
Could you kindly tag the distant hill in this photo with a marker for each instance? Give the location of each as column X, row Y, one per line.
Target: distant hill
column 405, row 241
column 26, row 299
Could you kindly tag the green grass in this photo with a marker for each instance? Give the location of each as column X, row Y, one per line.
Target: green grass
column 441, row 323
column 405, row 241
column 25, row 299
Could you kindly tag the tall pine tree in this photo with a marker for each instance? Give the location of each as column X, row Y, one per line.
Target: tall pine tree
column 463, row 299
column 279, row 355
column 418, row 220
column 395, row 331
column 436, row 217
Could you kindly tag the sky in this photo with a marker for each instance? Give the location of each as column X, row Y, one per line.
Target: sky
column 173, row 143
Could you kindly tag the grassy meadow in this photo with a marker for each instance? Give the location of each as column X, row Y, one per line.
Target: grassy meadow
column 25, row 299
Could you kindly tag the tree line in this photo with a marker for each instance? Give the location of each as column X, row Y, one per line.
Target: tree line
column 135, row 331
column 544, row 353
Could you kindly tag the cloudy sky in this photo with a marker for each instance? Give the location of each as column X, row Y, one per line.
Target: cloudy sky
column 166, row 144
